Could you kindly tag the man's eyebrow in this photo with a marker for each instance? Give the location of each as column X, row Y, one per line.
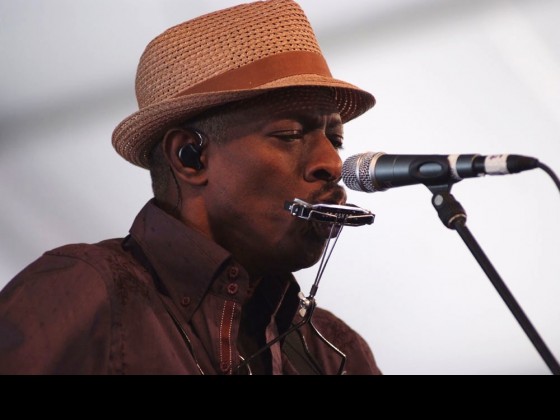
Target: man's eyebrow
column 310, row 118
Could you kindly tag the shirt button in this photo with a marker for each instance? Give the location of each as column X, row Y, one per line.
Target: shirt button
column 232, row 288
column 233, row 272
column 185, row 301
column 224, row 367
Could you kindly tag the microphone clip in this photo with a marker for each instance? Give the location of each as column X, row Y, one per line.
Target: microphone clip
column 345, row 215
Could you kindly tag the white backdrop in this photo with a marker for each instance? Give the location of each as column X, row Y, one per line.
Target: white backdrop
column 450, row 76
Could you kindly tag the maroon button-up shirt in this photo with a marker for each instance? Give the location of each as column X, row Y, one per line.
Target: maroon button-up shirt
column 166, row 300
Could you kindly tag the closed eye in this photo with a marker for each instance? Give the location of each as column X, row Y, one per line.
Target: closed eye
column 295, row 135
column 288, row 136
column 337, row 141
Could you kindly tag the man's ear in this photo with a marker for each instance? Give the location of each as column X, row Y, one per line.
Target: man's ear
column 184, row 150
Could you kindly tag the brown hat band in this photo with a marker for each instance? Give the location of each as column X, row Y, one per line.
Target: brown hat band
column 263, row 71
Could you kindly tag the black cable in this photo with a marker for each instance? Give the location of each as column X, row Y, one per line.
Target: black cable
column 551, row 173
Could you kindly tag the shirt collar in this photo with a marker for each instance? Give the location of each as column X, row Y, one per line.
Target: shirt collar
column 188, row 263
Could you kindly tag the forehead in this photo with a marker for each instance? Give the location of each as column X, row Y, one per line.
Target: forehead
column 287, row 103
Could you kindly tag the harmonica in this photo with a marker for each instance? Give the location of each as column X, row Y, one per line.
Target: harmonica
column 346, row 215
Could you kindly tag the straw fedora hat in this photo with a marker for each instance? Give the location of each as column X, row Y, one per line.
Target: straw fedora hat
column 226, row 56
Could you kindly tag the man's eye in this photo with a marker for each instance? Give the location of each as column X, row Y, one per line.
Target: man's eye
column 288, row 136
column 337, row 141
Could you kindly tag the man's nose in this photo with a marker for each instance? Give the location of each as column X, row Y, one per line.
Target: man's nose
column 324, row 161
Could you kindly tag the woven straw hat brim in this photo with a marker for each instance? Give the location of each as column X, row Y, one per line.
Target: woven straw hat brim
column 135, row 137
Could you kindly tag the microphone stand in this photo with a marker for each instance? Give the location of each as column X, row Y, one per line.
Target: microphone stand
column 454, row 217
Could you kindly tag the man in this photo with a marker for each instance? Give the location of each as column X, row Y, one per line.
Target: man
column 238, row 114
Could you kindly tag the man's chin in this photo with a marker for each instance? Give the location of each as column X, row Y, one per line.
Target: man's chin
column 308, row 258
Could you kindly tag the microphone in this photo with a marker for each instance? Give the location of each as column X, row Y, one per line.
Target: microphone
column 371, row 171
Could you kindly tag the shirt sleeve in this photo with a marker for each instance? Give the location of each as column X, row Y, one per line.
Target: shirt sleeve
column 54, row 318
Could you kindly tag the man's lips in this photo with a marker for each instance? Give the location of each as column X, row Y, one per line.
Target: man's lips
column 329, row 194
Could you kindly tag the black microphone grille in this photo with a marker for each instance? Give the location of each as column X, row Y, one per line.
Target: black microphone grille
column 356, row 174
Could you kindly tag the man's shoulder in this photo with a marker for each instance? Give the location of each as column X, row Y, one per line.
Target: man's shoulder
column 99, row 255
column 89, row 252
column 107, row 258
column 79, row 261
column 102, row 266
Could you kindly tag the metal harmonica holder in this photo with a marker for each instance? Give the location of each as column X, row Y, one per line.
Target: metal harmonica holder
column 338, row 216
column 345, row 215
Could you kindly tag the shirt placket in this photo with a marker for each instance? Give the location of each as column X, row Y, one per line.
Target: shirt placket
column 229, row 323
column 226, row 340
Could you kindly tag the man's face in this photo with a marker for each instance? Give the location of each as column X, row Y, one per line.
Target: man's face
column 283, row 148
